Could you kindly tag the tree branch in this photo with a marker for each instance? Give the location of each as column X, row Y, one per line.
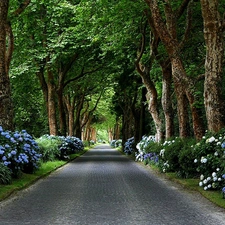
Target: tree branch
column 21, row 8
column 182, row 8
column 188, row 27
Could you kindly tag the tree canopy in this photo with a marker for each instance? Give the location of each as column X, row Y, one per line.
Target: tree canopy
column 132, row 67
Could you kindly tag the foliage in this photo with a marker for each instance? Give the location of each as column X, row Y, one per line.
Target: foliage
column 49, row 148
column 5, row 174
column 19, row 151
column 88, row 143
column 116, row 143
column 62, row 146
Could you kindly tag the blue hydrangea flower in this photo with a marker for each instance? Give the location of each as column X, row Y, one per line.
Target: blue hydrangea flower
column 13, row 152
column 2, row 152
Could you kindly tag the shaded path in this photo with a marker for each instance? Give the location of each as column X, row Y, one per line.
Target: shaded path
column 103, row 187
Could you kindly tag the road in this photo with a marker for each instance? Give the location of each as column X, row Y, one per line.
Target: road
column 104, row 187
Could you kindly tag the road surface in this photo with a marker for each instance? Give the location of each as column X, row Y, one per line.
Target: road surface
column 103, row 187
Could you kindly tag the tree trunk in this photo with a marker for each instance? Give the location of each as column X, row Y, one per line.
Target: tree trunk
column 117, row 131
column 185, row 84
column 6, row 107
column 182, row 111
column 77, row 123
column 51, row 105
column 166, row 100
column 214, row 39
column 62, row 115
column 152, row 98
column 167, row 33
column 70, row 106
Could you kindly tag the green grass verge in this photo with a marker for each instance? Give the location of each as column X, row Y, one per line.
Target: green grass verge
column 27, row 179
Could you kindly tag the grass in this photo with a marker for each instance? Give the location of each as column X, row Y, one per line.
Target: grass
column 27, row 179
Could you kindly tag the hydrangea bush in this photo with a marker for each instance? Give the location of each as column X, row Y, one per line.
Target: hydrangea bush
column 188, row 159
column 70, row 145
column 18, row 151
column 60, row 147
column 129, row 146
column 116, row 143
column 210, row 161
column 143, row 147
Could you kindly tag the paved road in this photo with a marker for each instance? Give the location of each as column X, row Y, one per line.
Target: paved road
column 103, row 187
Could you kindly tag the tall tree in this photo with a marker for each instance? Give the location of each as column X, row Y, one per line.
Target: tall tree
column 6, row 108
column 6, row 50
column 168, row 32
column 214, row 27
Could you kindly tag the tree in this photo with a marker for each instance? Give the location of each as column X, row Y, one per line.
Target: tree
column 214, row 27
column 6, row 50
column 6, row 108
column 167, row 32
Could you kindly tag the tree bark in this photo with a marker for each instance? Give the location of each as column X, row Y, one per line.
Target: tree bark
column 166, row 99
column 6, row 106
column 70, row 105
column 152, row 95
column 51, row 105
column 182, row 111
column 214, row 39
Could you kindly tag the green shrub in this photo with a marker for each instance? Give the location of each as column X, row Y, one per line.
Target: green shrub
column 153, row 147
column 171, row 155
column 187, row 169
column 49, row 148
column 5, row 174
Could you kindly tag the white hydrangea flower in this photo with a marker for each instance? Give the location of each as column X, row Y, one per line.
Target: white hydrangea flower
column 203, row 160
column 200, row 184
column 214, row 178
column 205, row 181
column 208, row 178
column 219, row 179
column 162, row 153
column 195, row 161
column 205, row 188
column 202, row 177
column 214, row 174
column 209, row 186
column 217, row 169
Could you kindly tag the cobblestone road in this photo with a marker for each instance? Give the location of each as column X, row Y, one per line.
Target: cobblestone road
column 103, row 187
